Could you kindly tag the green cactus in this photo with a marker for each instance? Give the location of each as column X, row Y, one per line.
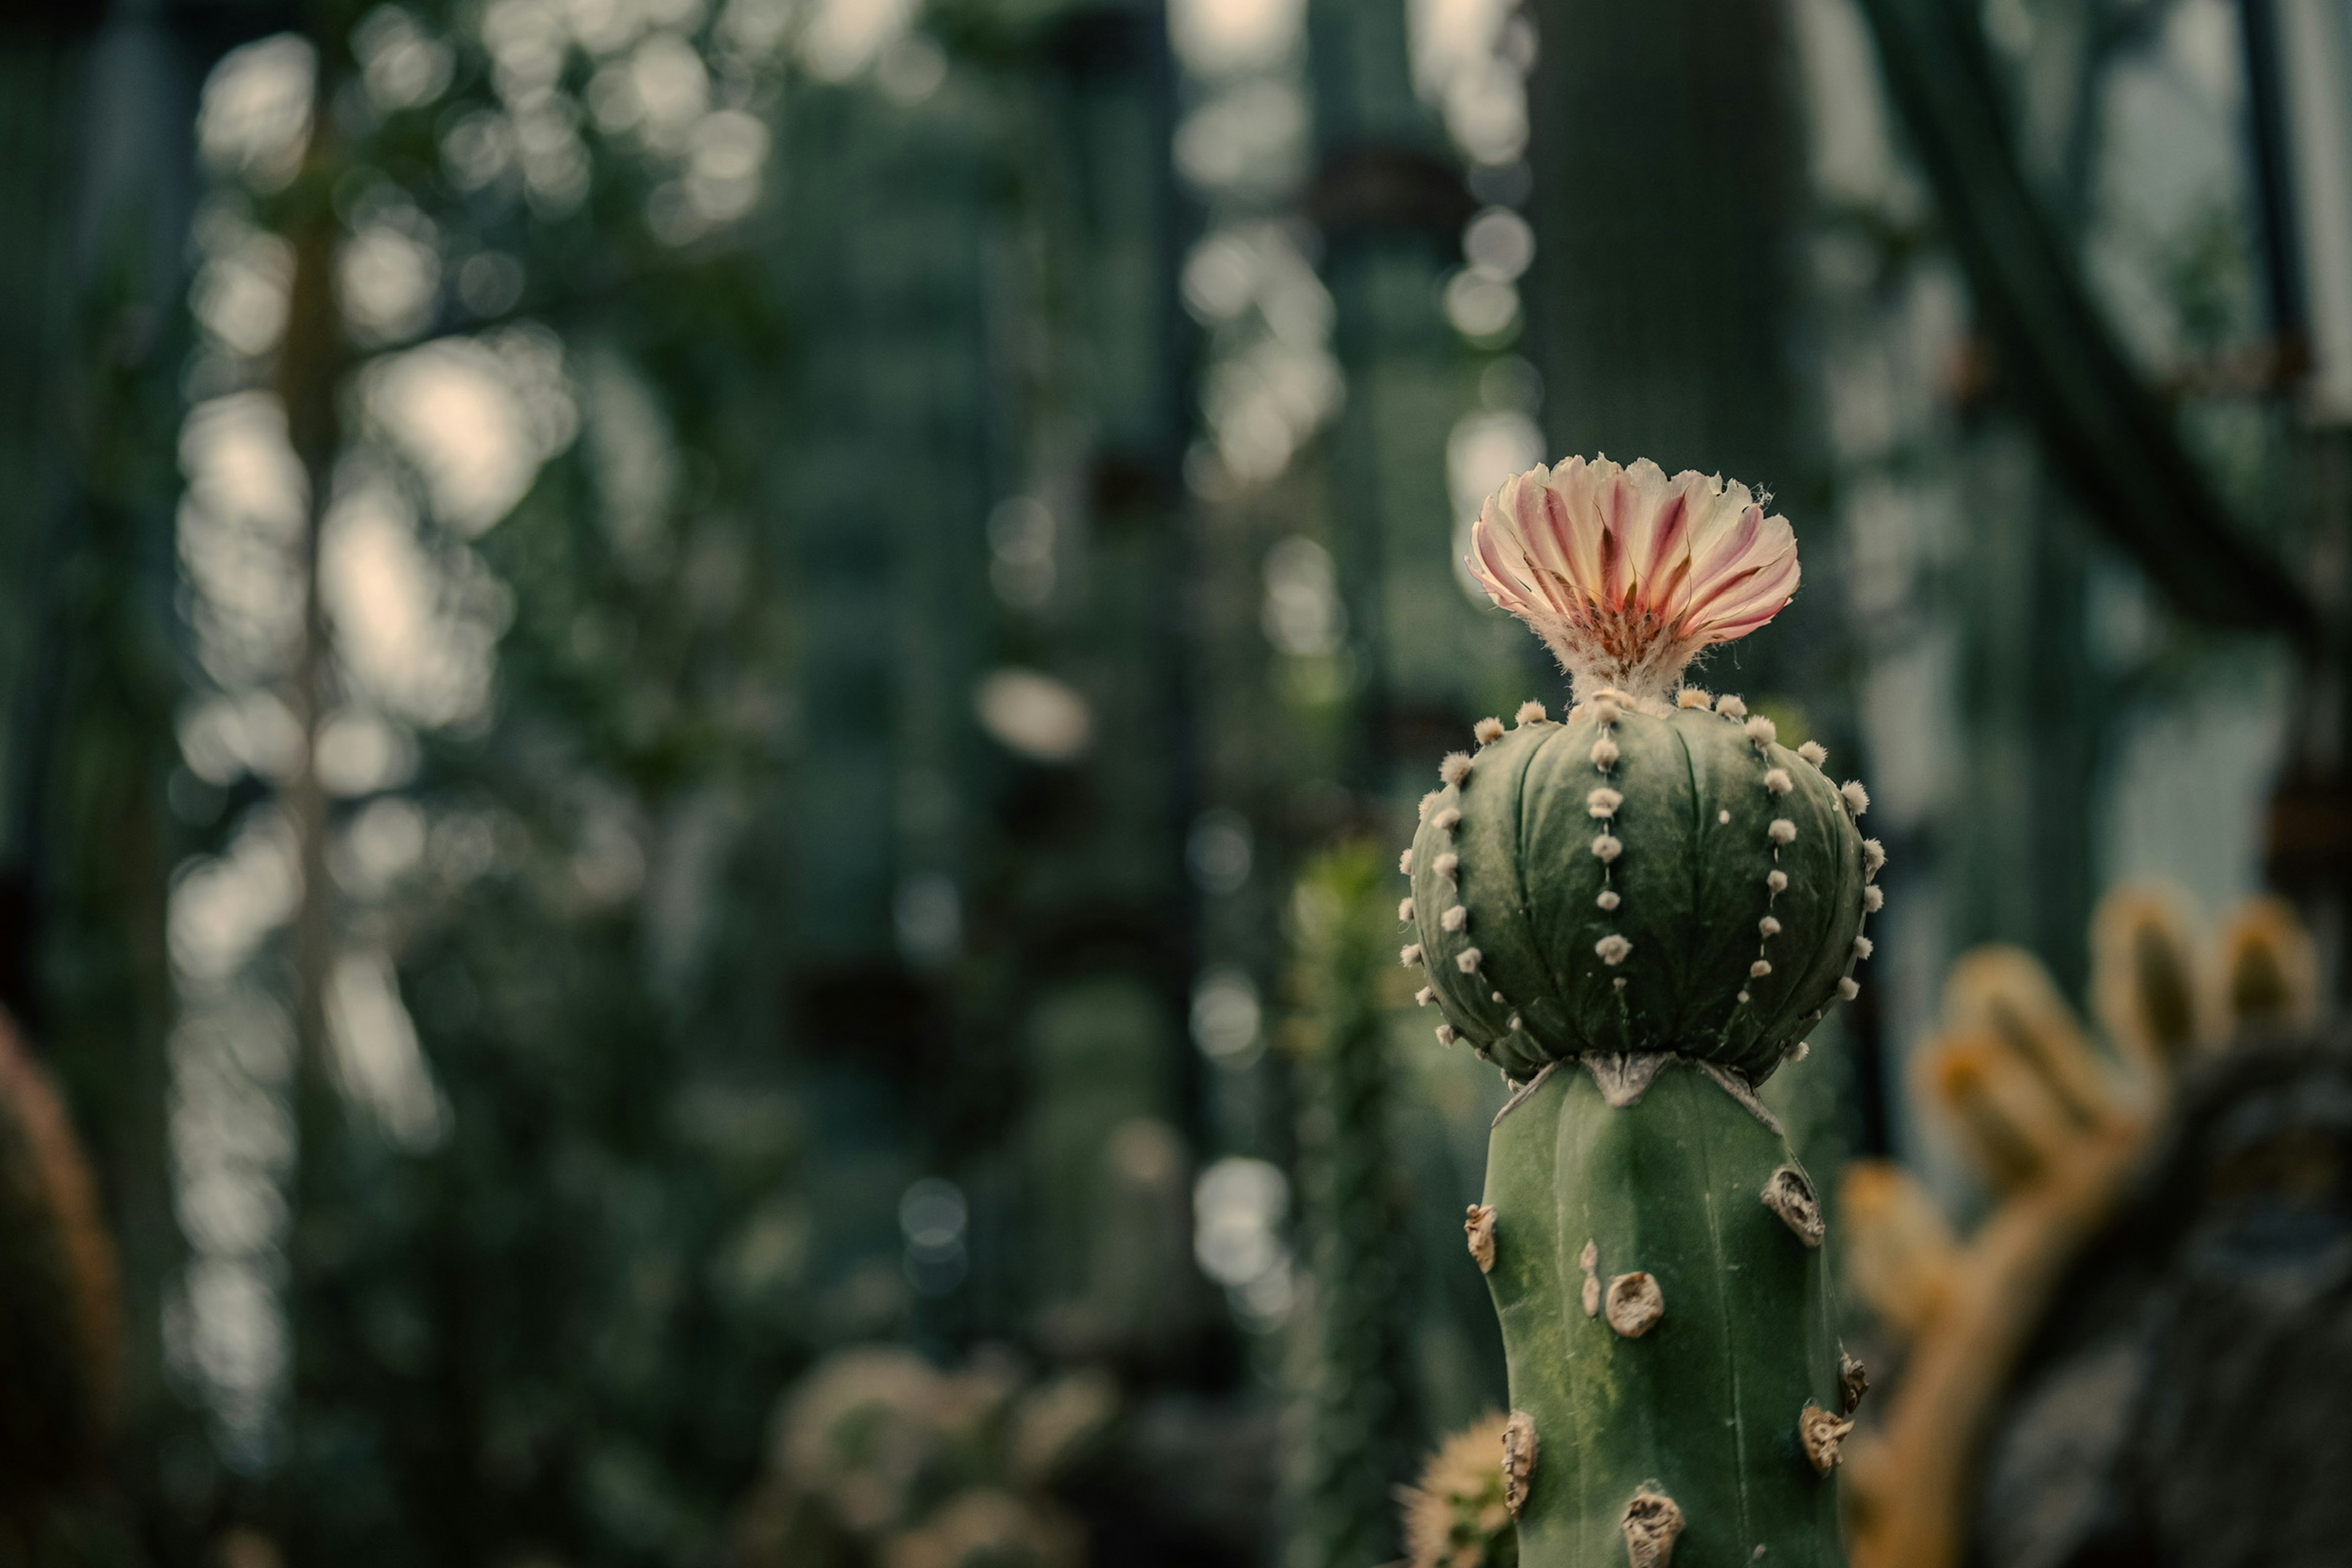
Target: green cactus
column 1663, row 899
column 1625, row 882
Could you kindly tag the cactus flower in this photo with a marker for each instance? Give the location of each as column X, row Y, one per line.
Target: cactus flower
column 1626, row 573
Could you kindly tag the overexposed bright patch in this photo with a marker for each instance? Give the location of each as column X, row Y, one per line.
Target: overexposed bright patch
column 1480, row 307
column 389, row 282
column 225, row 737
column 725, row 156
column 401, row 63
column 1483, row 450
column 478, row 416
column 1499, row 244
column 402, row 632
column 379, row 1065
column 1251, row 138
column 1218, row 38
column 632, row 455
column 240, row 292
column 361, row 752
column 1471, row 57
column 1033, row 714
column 1238, row 1208
column 842, row 37
column 239, row 534
column 254, row 119
column 1302, row 614
column 1226, row 1017
column 222, row 905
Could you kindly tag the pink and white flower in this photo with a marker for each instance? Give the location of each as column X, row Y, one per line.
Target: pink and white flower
column 1626, row 573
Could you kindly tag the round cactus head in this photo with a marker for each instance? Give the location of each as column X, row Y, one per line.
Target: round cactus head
column 1655, row 874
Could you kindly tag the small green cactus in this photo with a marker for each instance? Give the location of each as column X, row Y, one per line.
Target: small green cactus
column 1660, row 896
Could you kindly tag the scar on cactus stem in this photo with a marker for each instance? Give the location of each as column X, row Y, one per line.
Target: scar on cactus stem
column 1651, row 1524
column 1635, row 1304
column 1479, row 1224
column 1518, row 1460
column 1669, row 898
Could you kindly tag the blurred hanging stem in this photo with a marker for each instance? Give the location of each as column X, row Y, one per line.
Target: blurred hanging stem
column 310, row 363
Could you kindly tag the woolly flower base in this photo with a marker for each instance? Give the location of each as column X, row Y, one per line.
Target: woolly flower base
column 1626, row 573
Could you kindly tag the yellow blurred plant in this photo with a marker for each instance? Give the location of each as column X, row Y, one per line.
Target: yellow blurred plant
column 2053, row 1125
column 1455, row 1517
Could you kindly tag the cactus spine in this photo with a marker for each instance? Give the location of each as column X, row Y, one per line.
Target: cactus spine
column 1637, row 914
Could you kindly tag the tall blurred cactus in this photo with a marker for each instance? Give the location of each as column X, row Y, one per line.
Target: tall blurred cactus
column 1658, row 895
column 58, row 1309
column 1359, row 1420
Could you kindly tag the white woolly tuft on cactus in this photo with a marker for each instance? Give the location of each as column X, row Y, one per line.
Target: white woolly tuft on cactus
column 1626, row 573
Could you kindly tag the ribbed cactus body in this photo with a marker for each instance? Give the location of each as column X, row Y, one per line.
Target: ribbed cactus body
column 1706, row 1406
column 1637, row 881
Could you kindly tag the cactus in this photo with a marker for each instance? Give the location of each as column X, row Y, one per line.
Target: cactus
column 1659, row 894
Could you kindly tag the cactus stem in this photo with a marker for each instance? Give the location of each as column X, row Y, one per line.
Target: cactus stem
column 1531, row 713
column 1821, row 1435
column 1788, row 1193
column 1814, row 753
column 1635, row 1304
column 1520, row 1092
column 1651, row 1523
column 1487, row 731
column 1454, row 768
column 1518, row 1460
column 1478, row 1225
